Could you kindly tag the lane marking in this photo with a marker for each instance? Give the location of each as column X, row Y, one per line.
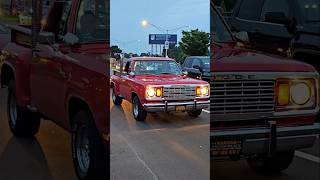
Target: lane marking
column 307, row 156
column 140, row 159
column 206, row 111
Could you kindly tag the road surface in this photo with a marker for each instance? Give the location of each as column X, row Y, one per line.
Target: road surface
column 165, row 146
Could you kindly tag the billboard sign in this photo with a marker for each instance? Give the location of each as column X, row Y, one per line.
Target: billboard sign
column 161, row 38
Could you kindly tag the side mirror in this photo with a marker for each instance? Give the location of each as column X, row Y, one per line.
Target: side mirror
column 70, row 39
column 194, row 72
column 242, row 37
column 277, row 17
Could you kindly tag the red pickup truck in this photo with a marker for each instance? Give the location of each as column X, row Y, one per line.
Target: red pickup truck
column 65, row 78
column 263, row 107
column 155, row 84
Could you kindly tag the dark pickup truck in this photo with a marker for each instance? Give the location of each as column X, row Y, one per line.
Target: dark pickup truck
column 262, row 107
column 283, row 27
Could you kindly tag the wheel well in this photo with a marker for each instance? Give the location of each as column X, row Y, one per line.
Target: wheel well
column 6, row 75
column 133, row 94
column 76, row 105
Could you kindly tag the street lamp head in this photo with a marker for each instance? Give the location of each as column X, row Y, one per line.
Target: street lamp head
column 144, row 23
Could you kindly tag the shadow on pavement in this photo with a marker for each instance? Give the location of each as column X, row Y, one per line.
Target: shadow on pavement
column 23, row 159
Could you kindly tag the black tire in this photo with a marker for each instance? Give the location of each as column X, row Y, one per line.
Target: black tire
column 116, row 99
column 138, row 112
column 22, row 122
column 195, row 113
column 90, row 158
column 275, row 164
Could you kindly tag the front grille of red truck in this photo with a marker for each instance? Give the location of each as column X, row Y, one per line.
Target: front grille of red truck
column 242, row 96
column 179, row 92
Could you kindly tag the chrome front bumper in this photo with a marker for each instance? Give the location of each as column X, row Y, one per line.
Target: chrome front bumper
column 260, row 140
column 171, row 106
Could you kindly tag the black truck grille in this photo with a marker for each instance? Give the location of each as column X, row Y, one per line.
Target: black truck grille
column 242, row 96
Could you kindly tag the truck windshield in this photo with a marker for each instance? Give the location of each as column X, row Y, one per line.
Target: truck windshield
column 206, row 62
column 156, row 68
column 310, row 9
column 219, row 31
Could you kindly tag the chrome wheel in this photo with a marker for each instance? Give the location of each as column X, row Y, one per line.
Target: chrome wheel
column 135, row 108
column 113, row 96
column 82, row 149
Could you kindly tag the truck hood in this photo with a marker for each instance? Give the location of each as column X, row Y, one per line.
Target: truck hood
column 233, row 59
column 166, row 79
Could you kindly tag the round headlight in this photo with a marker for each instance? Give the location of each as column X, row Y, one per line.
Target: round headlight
column 204, row 91
column 300, row 93
column 151, row 92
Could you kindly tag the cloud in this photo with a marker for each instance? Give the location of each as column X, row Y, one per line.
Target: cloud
column 169, row 14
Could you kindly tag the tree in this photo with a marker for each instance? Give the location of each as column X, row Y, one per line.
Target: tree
column 115, row 51
column 177, row 54
column 144, row 54
column 195, row 43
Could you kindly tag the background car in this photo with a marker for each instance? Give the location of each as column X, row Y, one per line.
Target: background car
column 198, row 67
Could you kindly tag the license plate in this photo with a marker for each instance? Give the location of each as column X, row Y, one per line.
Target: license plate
column 226, row 147
column 180, row 108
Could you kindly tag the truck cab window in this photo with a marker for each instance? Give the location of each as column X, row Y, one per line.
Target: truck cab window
column 64, row 20
column 250, row 9
column 57, row 19
column 279, row 6
column 92, row 21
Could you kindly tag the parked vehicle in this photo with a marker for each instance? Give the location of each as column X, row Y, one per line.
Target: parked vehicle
column 284, row 27
column 263, row 107
column 198, row 67
column 155, row 84
column 64, row 77
column 4, row 35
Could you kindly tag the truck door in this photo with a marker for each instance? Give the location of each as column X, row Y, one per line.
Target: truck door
column 49, row 73
column 124, row 88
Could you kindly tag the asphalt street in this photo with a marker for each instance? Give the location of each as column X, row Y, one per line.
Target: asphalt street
column 169, row 146
column 45, row 157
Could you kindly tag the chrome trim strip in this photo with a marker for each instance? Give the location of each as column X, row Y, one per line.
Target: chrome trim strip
column 175, row 103
column 252, row 131
column 284, row 137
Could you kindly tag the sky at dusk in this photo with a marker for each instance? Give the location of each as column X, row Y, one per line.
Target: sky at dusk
column 126, row 16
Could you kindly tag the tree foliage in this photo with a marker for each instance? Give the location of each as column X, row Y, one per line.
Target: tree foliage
column 195, row 43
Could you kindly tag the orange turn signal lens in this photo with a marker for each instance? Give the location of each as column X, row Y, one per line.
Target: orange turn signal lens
column 283, row 94
column 159, row 92
column 198, row 91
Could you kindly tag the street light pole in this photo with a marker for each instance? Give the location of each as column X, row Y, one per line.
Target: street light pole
column 167, row 43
